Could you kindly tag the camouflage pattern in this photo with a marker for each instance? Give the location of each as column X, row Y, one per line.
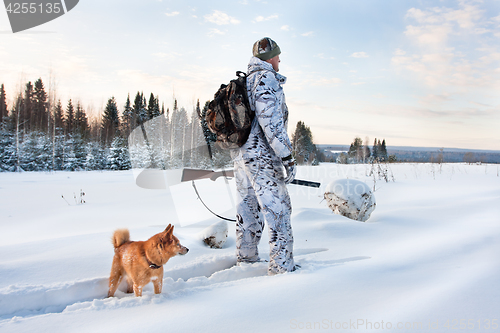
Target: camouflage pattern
column 260, row 175
column 265, row 49
column 228, row 116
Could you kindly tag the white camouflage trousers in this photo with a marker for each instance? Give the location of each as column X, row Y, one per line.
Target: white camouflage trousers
column 262, row 193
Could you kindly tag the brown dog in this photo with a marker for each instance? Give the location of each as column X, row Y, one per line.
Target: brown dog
column 141, row 262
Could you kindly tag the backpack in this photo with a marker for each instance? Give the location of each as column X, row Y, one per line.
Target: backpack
column 229, row 115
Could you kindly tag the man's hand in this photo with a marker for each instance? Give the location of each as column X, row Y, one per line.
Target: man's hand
column 290, row 168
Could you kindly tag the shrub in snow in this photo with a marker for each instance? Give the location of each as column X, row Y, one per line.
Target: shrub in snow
column 350, row 198
column 215, row 235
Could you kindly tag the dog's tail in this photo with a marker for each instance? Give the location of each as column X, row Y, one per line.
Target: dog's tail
column 120, row 236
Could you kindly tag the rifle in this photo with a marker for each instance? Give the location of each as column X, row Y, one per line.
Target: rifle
column 194, row 174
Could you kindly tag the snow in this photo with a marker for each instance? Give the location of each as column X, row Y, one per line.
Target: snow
column 350, row 198
column 215, row 235
column 427, row 256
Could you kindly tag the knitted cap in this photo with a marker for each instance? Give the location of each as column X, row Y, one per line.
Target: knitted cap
column 265, row 49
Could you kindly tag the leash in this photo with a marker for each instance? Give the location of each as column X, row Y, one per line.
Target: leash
column 199, row 197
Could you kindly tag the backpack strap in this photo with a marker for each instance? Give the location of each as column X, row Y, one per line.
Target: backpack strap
column 256, row 83
column 241, row 74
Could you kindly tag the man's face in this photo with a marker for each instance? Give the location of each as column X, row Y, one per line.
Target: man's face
column 275, row 61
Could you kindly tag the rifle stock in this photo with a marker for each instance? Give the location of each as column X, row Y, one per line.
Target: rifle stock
column 194, row 174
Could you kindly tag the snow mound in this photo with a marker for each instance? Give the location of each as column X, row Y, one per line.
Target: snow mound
column 350, row 198
column 215, row 235
column 27, row 300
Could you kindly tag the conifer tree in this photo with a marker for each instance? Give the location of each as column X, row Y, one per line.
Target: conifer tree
column 3, row 103
column 140, row 109
column 69, row 119
column 383, row 151
column 128, row 117
column 304, row 149
column 26, row 119
column 375, row 150
column 58, row 116
column 81, row 122
column 356, row 150
column 40, row 119
column 118, row 157
column 110, row 122
column 153, row 107
column 7, row 148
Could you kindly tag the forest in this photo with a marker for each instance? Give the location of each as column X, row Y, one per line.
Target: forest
column 39, row 133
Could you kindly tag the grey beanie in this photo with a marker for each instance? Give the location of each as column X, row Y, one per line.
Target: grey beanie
column 265, row 49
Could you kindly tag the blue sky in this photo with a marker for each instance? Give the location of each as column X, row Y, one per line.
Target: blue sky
column 417, row 73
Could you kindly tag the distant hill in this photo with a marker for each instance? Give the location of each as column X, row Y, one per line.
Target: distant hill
column 424, row 154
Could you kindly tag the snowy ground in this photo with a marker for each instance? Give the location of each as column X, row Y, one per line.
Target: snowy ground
column 428, row 259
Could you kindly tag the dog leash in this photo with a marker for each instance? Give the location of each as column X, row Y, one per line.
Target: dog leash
column 199, row 197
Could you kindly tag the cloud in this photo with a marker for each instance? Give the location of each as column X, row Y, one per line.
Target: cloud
column 262, row 18
column 221, row 18
column 447, row 50
column 214, row 32
column 171, row 56
column 435, row 25
column 359, row 55
column 325, row 81
column 285, row 28
column 399, row 52
column 307, row 34
column 172, row 14
column 432, row 35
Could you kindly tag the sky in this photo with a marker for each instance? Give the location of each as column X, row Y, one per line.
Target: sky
column 413, row 72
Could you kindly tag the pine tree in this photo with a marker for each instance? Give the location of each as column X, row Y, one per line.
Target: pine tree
column 375, row 150
column 69, row 119
column 110, row 122
column 304, row 149
column 39, row 106
column 140, row 109
column 356, row 150
column 383, row 151
column 81, row 122
column 26, row 119
column 128, row 118
column 58, row 116
column 118, row 157
column 3, row 104
column 7, row 149
column 95, row 159
column 153, row 107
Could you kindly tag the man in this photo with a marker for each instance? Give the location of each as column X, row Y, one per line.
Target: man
column 264, row 165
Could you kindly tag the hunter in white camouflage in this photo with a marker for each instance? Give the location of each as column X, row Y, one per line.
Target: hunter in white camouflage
column 259, row 166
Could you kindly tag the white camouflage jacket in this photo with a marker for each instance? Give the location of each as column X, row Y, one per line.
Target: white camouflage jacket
column 269, row 128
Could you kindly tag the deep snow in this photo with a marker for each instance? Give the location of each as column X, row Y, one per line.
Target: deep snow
column 427, row 258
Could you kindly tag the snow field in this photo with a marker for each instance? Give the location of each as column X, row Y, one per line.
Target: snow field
column 429, row 253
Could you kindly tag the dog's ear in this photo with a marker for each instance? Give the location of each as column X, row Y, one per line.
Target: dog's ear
column 168, row 233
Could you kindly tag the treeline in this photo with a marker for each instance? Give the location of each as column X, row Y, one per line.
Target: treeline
column 360, row 152
column 40, row 134
column 304, row 149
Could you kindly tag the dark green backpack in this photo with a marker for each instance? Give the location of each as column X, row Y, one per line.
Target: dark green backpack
column 229, row 115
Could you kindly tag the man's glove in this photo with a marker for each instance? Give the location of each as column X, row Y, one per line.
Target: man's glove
column 290, row 168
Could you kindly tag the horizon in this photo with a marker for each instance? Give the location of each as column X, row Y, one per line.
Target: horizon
column 419, row 73
column 419, row 147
